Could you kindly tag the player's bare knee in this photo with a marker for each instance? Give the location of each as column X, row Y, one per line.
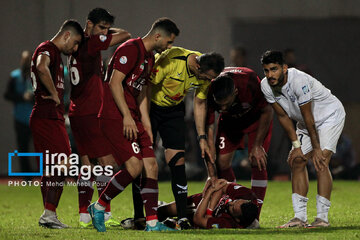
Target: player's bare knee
column 299, row 163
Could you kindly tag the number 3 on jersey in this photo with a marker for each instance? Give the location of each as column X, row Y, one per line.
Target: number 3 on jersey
column 74, row 72
column 222, row 143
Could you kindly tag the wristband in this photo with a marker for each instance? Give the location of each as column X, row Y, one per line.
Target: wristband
column 296, row 144
column 209, row 212
column 204, row 136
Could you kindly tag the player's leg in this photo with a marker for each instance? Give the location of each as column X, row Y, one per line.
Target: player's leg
column 224, row 168
column 51, row 135
column 85, row 192
column 101, row 182
column 116, row 185
column 300, row 184
column 329, row 137
column 259, row 178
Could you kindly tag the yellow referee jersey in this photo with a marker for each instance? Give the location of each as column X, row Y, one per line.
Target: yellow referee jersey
column 172, row 79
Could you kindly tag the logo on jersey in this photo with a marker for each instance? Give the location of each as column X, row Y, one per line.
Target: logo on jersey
column 46, row 53
column 123, row 60
column 142, row 66
column 305, row 89
column 237, row 187
column 102, row 38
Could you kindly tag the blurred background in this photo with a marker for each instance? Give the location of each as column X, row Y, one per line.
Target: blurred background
column 320, row 37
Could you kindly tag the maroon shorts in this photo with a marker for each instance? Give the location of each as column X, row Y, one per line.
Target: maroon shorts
column 51, row 135
column 88, row 137
column 230, row 136
column 123, row 148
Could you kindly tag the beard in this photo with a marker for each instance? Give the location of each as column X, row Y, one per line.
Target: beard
column 277, row 88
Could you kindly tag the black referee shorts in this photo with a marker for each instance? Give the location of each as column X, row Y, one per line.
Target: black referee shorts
column 170, row 123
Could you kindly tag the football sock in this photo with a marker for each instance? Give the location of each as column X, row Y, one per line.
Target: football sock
column 48, row 212
column 322, row 206
column 137, row 199
column 101, row 182
column 227, row 174
column 300, row 205
column 150, row 195
column 85, row 190
column 116, row 185
column 179, row 188
column 259, row 184
column 152, row 223
column 44, row 187
column 53, row 192
column 99, row 206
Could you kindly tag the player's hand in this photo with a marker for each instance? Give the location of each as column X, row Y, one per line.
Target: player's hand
column 318, row 159
column 205, row 150
column 295, row 153
column 53, row 97
column 28, row 96
column 219, row 184
column 258, row 155
column 130, row 129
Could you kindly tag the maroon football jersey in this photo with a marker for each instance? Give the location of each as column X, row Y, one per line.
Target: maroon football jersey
column 86, row 74
column 249, row 101
column 45, row 108
column 221, row 218
column 132, row 59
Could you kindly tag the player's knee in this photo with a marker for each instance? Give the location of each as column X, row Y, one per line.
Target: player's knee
column 223, row 164
column 134, row 166
column 177, row 159
column 150, row 164
column 299, row 163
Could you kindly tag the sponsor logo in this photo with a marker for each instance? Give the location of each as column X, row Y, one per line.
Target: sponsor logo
column 237, row 187
column 123, row 59
column 305, row 89
column 102, row 38
column 142, row 66
column 182, row 187
column 46, row 53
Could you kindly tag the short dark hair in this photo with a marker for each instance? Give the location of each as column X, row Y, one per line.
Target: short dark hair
column 212, row 61
column 249, row 212
column 167, row 25
column 272, row 56
column 222, row 87
column 73, row 25
column 100, row 15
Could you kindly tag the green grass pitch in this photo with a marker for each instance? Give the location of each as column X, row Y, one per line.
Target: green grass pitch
column 21, row 207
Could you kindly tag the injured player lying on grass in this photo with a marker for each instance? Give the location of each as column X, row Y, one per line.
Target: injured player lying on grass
column 221, row 205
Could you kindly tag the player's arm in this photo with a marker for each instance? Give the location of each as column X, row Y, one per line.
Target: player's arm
column 211, row 167
column 130, row 130
column 144, row 106
column 42, row 67
column 199, row 116
column 257, row 152
column 317, row 157
column 118, row 36
column 288, row 126
column 200, row 216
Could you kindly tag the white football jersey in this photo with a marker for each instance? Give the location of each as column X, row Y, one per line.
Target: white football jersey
column 300, row 89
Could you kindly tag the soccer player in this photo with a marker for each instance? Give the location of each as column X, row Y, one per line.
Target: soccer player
column 223, row 205
column 178, row 71
column 86, row 74
column 47, row 121
column 236, row 95
column 124, row 119
column 320, row 117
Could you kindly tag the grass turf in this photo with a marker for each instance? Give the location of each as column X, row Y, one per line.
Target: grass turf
column 21, row 207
